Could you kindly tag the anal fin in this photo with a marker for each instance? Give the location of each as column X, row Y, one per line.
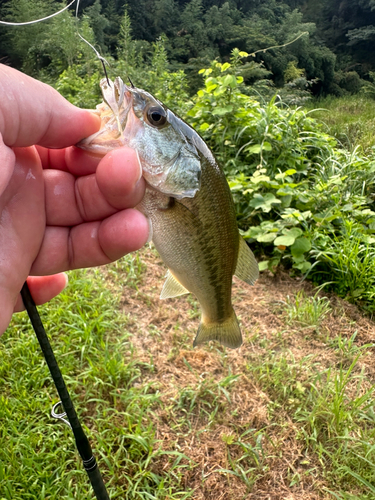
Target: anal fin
column 247, row 268
column 172, row 287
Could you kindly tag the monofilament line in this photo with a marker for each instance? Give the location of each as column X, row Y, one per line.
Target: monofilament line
column 39, row 20
column 101, row 58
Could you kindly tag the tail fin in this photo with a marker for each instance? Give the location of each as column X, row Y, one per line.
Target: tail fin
column 227, row 333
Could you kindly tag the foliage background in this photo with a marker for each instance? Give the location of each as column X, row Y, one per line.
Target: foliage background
column 303, row 191
column 236, row 71
column 336, row 51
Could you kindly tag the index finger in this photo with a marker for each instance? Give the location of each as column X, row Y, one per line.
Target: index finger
column 32, row 112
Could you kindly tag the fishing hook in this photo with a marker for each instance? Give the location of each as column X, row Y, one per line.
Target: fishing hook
column 105, row 71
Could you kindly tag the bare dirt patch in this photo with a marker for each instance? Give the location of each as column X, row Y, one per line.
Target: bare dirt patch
column 214, row 410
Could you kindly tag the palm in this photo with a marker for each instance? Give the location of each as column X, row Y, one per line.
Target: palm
column 22, row 223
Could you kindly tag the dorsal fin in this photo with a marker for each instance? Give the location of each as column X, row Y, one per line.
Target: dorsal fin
column 172, row 287
column 247, row 267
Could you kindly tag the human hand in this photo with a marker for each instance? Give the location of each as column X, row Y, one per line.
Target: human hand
column 60, row 209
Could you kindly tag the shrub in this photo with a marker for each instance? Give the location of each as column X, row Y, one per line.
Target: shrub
column 296, row 192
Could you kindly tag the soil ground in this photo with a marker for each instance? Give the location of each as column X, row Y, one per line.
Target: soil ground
column 279, row 465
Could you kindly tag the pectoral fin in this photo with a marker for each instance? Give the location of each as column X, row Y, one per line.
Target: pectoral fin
column 247, row 267
column 172, row 287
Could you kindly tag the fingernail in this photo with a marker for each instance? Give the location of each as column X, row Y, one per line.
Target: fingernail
column 150, row 230
column 66, row 280
column 140, row 167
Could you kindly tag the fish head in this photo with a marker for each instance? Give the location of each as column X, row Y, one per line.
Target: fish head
column 170, row 159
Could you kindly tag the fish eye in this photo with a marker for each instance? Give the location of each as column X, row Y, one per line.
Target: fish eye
column 156, row 116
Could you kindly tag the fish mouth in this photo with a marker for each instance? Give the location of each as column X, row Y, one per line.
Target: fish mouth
column 113, row 112
column 174, row 170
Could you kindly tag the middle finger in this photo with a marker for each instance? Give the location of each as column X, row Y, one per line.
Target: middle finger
column 116, row 186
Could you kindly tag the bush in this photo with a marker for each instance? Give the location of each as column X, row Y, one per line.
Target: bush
column 296, row 192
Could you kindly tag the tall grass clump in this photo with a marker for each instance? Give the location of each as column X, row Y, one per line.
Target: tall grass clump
column 301, row 198
column 350, row 118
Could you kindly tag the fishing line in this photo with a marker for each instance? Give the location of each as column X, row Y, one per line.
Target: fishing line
column 99, row 56
column 39, row 20
column 26, row 23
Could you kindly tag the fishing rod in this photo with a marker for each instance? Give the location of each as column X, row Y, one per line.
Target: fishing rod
column 82, row 443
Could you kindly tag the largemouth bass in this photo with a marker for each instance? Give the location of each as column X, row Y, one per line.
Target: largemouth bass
column 188, row 201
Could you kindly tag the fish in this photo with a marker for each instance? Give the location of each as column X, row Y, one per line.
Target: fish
column 187, row 200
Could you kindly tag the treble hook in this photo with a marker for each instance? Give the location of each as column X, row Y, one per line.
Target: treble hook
column 59, row 416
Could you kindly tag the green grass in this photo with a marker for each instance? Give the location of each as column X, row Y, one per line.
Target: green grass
column 321, row 410
column 348, row 263
column 308, row 311
column 37, row 455
column 351, row 119
column 335, row 410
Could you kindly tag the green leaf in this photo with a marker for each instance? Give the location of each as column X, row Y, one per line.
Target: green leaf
column 267, row 146
column 295, row 231
column 300, row 246
column 254, row 149
column 266, row 238
column 274, row 262
column 225, row 66
column 264, row 202
column 291, row 171
column 263, row 266
column 299, row 259
column 211, row 87
column 285, row 241
column 252, row 232
column 204, row 127
column 326, row 216
column 220, row 90
column 366, row 238
column 303, row 267
column 211, row 80
column 229, row 80
column 222, row 111
column 286, row 200
column 256, row 179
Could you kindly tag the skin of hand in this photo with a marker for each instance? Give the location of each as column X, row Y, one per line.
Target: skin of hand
column 60, row 207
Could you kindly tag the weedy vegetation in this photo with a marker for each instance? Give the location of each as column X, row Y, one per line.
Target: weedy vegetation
column 303, row 201
column 303, row 195
column 290, row 414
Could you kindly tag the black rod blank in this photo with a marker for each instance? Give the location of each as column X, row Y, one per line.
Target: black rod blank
column 82, row 443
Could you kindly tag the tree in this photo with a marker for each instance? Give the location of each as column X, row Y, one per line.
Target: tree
column 22, row 42
column 98, row 22
column 126, row 46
